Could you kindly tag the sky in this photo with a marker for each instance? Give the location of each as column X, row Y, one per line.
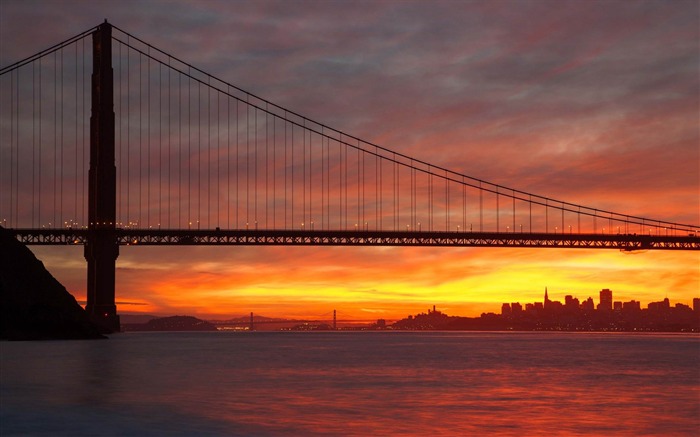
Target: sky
column 595, row 103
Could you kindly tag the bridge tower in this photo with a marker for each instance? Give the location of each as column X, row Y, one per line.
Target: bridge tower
column 334, row 321
column 101, row 248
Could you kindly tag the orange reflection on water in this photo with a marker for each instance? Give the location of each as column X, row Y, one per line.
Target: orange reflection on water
column 449, row 384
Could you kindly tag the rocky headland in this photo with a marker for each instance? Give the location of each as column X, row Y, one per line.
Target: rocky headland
column 33, row 304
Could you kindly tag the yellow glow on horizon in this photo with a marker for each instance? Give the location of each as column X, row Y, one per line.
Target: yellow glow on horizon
column 402, row 281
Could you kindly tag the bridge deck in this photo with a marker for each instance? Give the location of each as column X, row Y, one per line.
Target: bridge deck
column 220, row 237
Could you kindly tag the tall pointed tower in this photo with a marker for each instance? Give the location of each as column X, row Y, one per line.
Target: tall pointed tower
column 546, row 298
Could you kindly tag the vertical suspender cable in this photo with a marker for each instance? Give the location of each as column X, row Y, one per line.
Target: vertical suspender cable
column 18, row 160
column 160, row 143
column 267, row 168
column 498, row 214
column 41, row 99
column 359, row 204
column 218, row 160
column 247, row 163
column 238, row 223
column 228, row 162
column 323, row 181
column 189, row 151
column 62, row 165
column 55, row 137
column 274, row 172
column 75, row 207
column 303, row 174
column 291, row 145
column 340, row 183
column 84, row 200
column 255, row 171
column 118, row 130
column 199, row 153
column 481, row 208
column 12, row 147
column 128, row 133
column 34, row 139
column 140, row 143
column 148, row 142
column 447, row 202
column 464, row 205
column 311, row 217
column 377, row 200
column 513, row 194
column 208, row 155
column 179, row 148
column 285, row 171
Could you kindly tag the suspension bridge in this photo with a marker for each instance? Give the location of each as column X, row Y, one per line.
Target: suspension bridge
column 109, row 141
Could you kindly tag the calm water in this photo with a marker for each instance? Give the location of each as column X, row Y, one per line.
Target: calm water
column 353, row 383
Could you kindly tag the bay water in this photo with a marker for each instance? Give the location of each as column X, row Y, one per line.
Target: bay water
column 353, row 383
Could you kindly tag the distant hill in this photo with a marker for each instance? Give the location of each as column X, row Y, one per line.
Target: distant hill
column 33, row 304
column 174, row 323
column 129, row 319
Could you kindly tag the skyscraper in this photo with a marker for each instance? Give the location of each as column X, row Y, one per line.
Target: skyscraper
column 606, row 300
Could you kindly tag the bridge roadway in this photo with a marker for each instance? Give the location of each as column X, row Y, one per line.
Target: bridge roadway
column 220, row 237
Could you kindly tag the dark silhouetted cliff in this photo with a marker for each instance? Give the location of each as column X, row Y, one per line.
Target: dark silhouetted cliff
column 33, row 304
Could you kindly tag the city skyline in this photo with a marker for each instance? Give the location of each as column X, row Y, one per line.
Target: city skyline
column 607, row 118
column 606, row 302
column 547, row 303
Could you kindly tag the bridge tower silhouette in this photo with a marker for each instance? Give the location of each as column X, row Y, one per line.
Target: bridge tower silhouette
column 101, row 247
column 183, row 158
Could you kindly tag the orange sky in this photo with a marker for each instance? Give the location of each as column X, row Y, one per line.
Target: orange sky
column 370, row 283
column 595, row 103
